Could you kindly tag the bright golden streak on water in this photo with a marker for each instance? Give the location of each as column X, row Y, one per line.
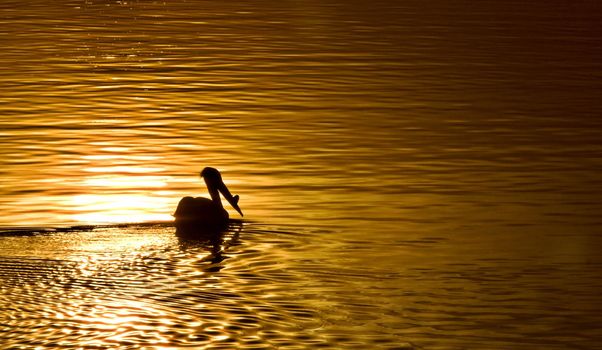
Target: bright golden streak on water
column 114, row 156
column 117, row 208
column 114, row 181
column 115, row 317
column 105, row 201
column 123, row 169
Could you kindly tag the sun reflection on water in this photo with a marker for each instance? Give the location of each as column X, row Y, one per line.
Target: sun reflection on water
column 120, row 190
column 113, row 181
column 120, row 208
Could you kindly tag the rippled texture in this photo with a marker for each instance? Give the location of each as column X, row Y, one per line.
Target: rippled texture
column 262, row 286
column 412, row 176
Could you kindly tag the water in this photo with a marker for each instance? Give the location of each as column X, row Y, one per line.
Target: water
column 412, row 176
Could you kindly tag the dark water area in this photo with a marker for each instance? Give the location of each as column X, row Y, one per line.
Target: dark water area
column 413, row 176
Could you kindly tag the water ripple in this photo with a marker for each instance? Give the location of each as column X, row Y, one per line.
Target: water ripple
column 262, row 286
column 429, row 173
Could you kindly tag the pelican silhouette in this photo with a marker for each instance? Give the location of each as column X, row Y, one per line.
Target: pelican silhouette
column 204, row 213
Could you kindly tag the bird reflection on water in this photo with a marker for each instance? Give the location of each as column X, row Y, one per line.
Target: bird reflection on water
column 212, row 239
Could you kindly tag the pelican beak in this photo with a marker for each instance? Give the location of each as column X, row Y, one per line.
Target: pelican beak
column 233, row 200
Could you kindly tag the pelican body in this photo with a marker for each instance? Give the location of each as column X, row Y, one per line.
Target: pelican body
column 204, row 213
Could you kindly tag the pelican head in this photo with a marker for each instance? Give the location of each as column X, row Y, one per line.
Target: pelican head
column 213, row 180
column 205, row 212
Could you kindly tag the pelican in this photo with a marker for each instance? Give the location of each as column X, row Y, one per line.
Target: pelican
column 205, row 213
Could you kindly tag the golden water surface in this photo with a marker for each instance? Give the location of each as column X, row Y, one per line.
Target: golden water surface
column 413, row 176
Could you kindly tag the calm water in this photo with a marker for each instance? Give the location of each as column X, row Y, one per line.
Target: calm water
column 412, row 176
